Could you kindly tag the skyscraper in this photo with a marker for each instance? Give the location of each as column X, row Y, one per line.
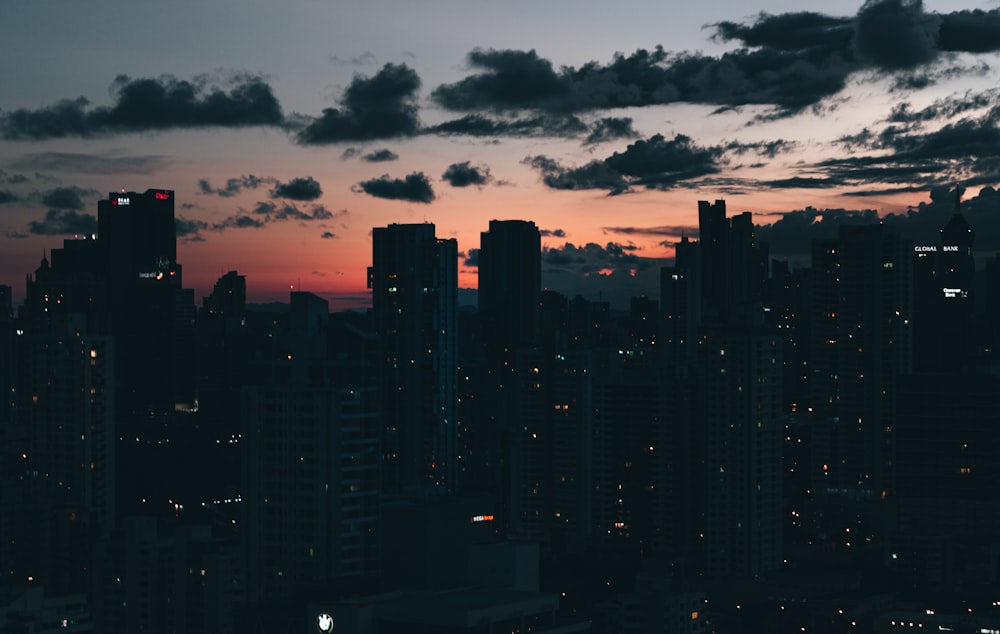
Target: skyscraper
column 414, row 282
column 859, row 345
column 510, row 282
column 310, row 461
column 150, row 314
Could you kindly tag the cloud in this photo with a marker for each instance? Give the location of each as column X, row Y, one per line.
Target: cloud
column 238, row 221
column 788, row 61
column 109, row 163
column 613, row 272
column 543, row 125
column 15, row 235
column 67, row 197
column 414, row 187
column 665, row 230
column 7, row 196
column 63, row 222
column 973, row 31
column 464, row 174
column 896, row 34
column 234, row 186
column 552, row 233
column 148, row 104
column 611, row 129
column 380, row 156
column 303, row 189
column 792, row 234
column 383, row 106
column 511, row 80
column 190, row 229
column 471, row 258
column 654, row 163
column 328, row 235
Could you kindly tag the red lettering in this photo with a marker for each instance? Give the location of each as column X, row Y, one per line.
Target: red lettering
column 162, row 196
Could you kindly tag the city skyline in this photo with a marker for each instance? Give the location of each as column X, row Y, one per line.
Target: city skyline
column 287, row 140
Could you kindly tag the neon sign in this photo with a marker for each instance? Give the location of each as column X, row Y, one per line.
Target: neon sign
column 931, row 249
column 475, row 519
column 954, row 292
column 162, row 195
column 951, row 248
column 121, row 200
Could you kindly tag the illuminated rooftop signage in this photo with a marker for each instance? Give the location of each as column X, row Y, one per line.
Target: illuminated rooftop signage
column 475, row 519
column 162, row 195
column 925, row 249
column 953, row 248
column 120, row 200
column 954, row 292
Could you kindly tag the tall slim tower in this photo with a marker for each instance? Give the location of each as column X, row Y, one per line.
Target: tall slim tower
column 414, row 282
column 510, row 275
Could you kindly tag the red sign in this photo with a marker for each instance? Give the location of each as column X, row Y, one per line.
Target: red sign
column 162, row 195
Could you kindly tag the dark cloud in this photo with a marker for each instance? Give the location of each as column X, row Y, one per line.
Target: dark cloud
column 674, row 230
column 613, row 272
column 189, row 229
column 414, row 187
column 471, row 258
column 973, row 31
column 789, row 31
column 239, row 221
column 67, row 197
column 768, row 149
column 383, row 106
column 328, row 235
column 302, row 189
column 146, row 104
column 552, row 233
column 7, row 196
column 511, row 80
column 792, row 234
column 380, row 156
column 611, row 129
column 896, row 34
column 13, row 179
column 789, row 62
column 109, row 163
column 234, row 186
column 909, row 158
column 464, row 174
column 655, row 163
column 63, row 222
column 15, row 235
column 543, row 125
column 593, row 175
column 592, row 258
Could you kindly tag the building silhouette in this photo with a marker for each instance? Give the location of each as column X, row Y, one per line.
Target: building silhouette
column 414, row 282
column 310, row 478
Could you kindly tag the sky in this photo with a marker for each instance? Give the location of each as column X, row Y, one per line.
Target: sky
column 289, row 130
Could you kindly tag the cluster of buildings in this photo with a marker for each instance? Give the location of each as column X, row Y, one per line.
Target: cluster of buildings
column 757, row 448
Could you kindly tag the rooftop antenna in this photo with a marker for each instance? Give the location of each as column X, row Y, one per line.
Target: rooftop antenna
column 958, row 197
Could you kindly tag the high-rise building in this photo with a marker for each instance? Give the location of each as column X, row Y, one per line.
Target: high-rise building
column 728, row 429
column 149, row 312
column 414, row 282
column 310, row 482
column 510, row 283
column 860, row 319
